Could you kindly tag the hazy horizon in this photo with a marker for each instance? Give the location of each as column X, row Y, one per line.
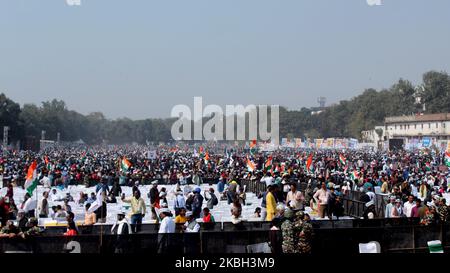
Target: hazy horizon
column 139, row 59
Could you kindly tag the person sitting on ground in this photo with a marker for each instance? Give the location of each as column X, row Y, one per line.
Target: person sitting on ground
column 92, row 198
column 53, row 212
column 60, row 213
column 82, row 199
column 257, row 213
column 236, row 212
column 111, row 199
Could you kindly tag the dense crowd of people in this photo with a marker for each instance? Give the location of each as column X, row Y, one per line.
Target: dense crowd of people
column 414, row 184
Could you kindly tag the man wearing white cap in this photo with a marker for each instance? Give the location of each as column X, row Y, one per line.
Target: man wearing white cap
column 179, row 202
column 167, row 222
column 191, row 225
column 389, row 206
column 122, row 228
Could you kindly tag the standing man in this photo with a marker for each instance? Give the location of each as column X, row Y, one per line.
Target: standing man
column 191, row 225
column 43, row 208
column 287, row 230
column 321, row 198
column 220, row 186
column 137, row 210
column 443, row 210
column 295, row 198
column 389, row 206
column 415, row 210
column 29, row 205
column 179, row 203
column 197, row 203
column 212, row 201
column 154, row 199
column 303, row 232
column 122, row 228
column 408, row 206
column 166, row 227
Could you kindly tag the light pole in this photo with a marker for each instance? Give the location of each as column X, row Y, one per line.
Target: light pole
column 5, row 138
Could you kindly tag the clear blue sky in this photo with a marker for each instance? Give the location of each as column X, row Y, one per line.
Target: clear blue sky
column 139, row 58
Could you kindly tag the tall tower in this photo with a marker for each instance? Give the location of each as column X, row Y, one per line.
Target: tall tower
column 321, row 101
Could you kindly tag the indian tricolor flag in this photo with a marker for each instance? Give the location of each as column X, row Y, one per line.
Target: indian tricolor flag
column 47, row 163
column 354, row 175
column 253, row 146
column 32, row 178
column 206, row 157
column 250, row 165
column 447, row 158
column 125, row 164
column 268, row 165
column 342, row 159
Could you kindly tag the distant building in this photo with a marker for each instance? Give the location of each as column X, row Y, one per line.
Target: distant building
column 376, row 136
column 419, row 131
column 373, row 136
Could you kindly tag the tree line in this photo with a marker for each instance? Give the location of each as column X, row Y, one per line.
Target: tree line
column 344, row 119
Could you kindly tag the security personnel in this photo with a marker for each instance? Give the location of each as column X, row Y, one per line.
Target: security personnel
column 287, row 230
column 303, row 231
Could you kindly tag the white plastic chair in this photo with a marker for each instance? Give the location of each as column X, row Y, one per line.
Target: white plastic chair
column 370, row 247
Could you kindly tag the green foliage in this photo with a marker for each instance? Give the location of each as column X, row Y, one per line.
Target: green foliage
column 345, row 119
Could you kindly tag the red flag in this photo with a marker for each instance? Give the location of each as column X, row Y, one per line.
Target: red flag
column 309, row 162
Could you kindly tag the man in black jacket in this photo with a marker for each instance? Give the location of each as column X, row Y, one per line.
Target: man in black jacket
column 153, row 195
column 197, row 203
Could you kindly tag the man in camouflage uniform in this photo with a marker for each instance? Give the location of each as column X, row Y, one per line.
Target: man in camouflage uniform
column 34, row 230
column 443, row 210
column 287, row 230
column 303, row 232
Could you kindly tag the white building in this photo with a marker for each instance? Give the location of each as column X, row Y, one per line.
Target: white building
column 375, row 136
column 419, row 131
